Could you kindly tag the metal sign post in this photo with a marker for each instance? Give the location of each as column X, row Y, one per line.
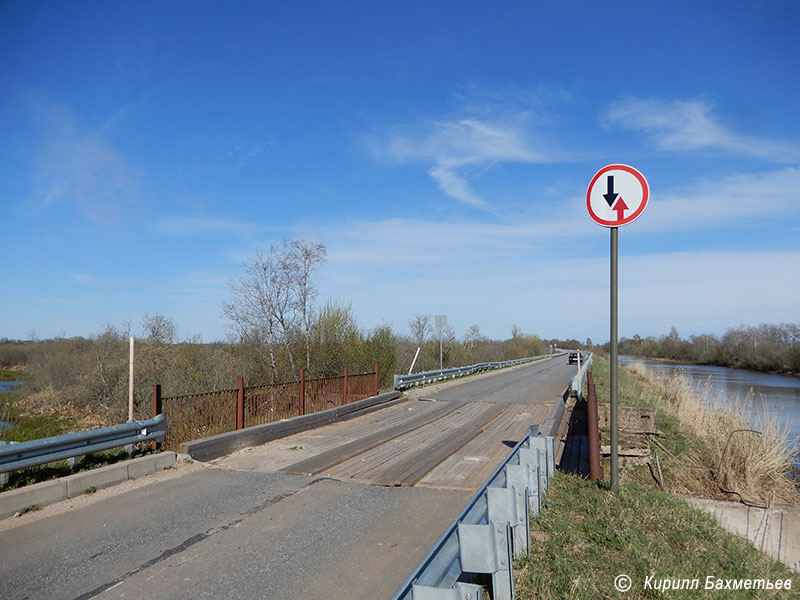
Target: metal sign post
column 614, row 361
column 441, row 323
column 617, row 195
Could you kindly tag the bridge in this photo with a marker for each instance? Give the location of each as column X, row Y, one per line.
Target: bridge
column 341, row 511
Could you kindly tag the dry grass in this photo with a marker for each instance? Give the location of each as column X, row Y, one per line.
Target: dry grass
column 724, row 457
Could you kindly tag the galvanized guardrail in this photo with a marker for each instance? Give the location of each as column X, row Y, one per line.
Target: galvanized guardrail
column 578, row 381
column 37, row 452
column 493, row 529
column 402, row 382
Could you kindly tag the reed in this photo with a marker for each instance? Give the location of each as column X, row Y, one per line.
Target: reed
column 736, row 451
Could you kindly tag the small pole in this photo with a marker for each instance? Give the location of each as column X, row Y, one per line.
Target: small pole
column 375, row 381
column 130, row 381
column 157, row 409
column 593, row 432
column 614, row 361
column 441, row 364
column 344, row 387
column 413, row 362
column 580, row 390
column 240, row 403
column 302, row 392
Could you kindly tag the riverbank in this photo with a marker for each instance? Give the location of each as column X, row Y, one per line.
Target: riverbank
column 704, row 446
column 674, row 361
column 648, row 541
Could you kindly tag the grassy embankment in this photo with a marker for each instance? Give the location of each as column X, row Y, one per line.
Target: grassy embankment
column 27, row 425
column 587, row 536
column 705, row 445
column 11, row 375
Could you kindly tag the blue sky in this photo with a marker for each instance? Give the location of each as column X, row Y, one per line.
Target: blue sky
column 440, row 150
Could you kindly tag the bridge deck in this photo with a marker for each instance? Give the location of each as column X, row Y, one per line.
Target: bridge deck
column 451, row 445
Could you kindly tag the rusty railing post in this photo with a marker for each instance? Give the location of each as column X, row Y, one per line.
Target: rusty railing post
column 375, row 382
column 593, row 429
column 344, row 387
column 240, row 403
column 157, row 410
column 302, row 392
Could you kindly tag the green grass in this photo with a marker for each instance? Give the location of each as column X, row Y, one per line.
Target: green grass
column 586, row 536
column 29, row 427
column 9, row 375
column 33, row 427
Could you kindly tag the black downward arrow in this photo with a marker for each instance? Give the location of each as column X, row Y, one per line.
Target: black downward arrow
column 610, row 196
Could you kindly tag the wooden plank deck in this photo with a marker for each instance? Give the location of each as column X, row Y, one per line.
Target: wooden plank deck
column 315, row 465
column 433, row 444
column 408, row 468
column 471, row 465
column 279, row 454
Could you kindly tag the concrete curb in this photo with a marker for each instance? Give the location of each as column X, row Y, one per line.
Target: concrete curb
column 48, row 492
column 224, row 443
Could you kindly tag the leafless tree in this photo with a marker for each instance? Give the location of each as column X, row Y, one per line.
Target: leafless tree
column 421, row 328
column 274, row 298
column 472, row 336
column 303, row 257
column 159, row 329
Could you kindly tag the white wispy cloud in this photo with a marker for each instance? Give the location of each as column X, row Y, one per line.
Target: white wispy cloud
column 457, row 148
column 83, row 278
column 684, row 125
column 80, row 167
column 716, row 201
column 194, row 225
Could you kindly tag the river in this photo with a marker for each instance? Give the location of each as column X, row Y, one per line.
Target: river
column 778, row 394
column 6, row 386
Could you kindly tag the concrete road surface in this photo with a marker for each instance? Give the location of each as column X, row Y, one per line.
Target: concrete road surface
column 207, row 531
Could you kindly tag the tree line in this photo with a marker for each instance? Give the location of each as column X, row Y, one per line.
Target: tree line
column 766, row 347
column 275, row 328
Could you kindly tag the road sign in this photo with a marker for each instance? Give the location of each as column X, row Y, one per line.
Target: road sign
column 617, row 195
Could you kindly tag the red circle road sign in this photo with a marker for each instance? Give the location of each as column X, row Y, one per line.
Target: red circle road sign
column 617, row 195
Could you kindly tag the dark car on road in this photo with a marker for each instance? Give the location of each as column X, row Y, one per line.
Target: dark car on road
column 573, row 358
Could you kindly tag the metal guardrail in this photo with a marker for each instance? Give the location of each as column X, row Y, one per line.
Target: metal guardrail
column 37, row 452
column 578, row 381
column 493, row 529
column 402, row 382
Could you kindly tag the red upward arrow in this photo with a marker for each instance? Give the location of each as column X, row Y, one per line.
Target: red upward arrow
column 620, row 207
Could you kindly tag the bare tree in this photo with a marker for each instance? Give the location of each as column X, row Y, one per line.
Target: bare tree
column 303, row 258
column 421, row 328
column 274, row 298
column 472, row 336
column 159, row 329
column 250, row 310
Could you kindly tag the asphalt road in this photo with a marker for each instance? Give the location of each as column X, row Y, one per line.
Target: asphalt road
column 536, row 383
column 217, row 533
column 211, row 532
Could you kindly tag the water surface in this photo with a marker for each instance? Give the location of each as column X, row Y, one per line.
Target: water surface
column 778, row 394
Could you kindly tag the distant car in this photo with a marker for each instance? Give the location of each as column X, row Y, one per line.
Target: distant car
column 573, row 358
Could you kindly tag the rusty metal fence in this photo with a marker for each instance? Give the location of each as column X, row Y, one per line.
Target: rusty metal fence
column 197, row 416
